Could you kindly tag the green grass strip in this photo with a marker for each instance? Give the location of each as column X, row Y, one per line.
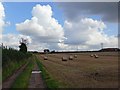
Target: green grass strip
column 11, row 68
column 50, row 82
column 22, row 81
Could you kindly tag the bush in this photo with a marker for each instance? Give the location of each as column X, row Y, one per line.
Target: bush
column 13, row 55
column 23, row 47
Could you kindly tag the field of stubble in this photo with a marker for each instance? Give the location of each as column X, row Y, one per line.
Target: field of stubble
column 83, row 71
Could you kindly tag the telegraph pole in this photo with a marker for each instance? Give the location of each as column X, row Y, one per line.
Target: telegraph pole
column 101, row 45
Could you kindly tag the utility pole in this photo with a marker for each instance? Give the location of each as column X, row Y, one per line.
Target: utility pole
column 101, row 45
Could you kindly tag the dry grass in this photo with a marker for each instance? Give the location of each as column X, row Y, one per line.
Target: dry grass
column 84, row 71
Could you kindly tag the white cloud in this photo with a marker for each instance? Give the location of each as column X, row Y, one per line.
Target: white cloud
column 2, row 16
column 46, row 32
column 42, row 26
column 12, row 40
column 2, row 23
column 87, row 34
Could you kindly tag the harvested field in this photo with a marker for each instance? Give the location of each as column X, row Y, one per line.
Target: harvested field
column 84, row 71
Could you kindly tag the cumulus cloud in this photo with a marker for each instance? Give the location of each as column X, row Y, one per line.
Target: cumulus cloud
column 42, row 26
column 107, row 10
column 46, row 32
column 79, row 32
column 87, row 33
column 2, row 23
column 12, row 40
column 2, row 16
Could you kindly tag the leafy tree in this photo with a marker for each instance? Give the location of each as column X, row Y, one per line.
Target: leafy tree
column 46, row 50
column 23, row 46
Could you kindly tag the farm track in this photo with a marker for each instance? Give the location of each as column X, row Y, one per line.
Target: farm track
column 10, row 80
column 36, row 80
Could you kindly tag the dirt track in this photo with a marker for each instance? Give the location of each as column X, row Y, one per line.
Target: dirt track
column 9, row 81
column 36, row 80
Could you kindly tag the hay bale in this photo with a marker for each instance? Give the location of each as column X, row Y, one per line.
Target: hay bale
column 64, row 59
column 91, row 55
column 45, row 58
column 75, row 56
column 96, row 56
column 71, row 58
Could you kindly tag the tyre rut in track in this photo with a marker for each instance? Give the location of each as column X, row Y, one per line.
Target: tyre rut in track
column 36, row 80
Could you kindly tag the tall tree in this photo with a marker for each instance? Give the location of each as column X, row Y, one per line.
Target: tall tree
column 23, row 46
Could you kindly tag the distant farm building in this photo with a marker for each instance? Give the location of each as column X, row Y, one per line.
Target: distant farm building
column 53, row 51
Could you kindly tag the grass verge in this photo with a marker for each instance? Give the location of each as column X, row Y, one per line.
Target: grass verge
column 11, row 68
column 11, row 61
column 22, row 81
column 49, row 81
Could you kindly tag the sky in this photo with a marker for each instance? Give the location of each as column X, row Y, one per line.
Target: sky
column 59, row 25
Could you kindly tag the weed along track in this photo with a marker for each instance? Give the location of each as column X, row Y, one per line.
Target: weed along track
column 9, row 81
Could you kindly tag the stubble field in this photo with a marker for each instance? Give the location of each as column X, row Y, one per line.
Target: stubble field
column 84, row 71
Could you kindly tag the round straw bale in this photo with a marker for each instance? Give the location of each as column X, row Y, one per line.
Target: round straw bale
column 45, row 58
column 64, row 59
column 71, row 58
column 96, row 56
column 91, row 55
column 75, row 56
